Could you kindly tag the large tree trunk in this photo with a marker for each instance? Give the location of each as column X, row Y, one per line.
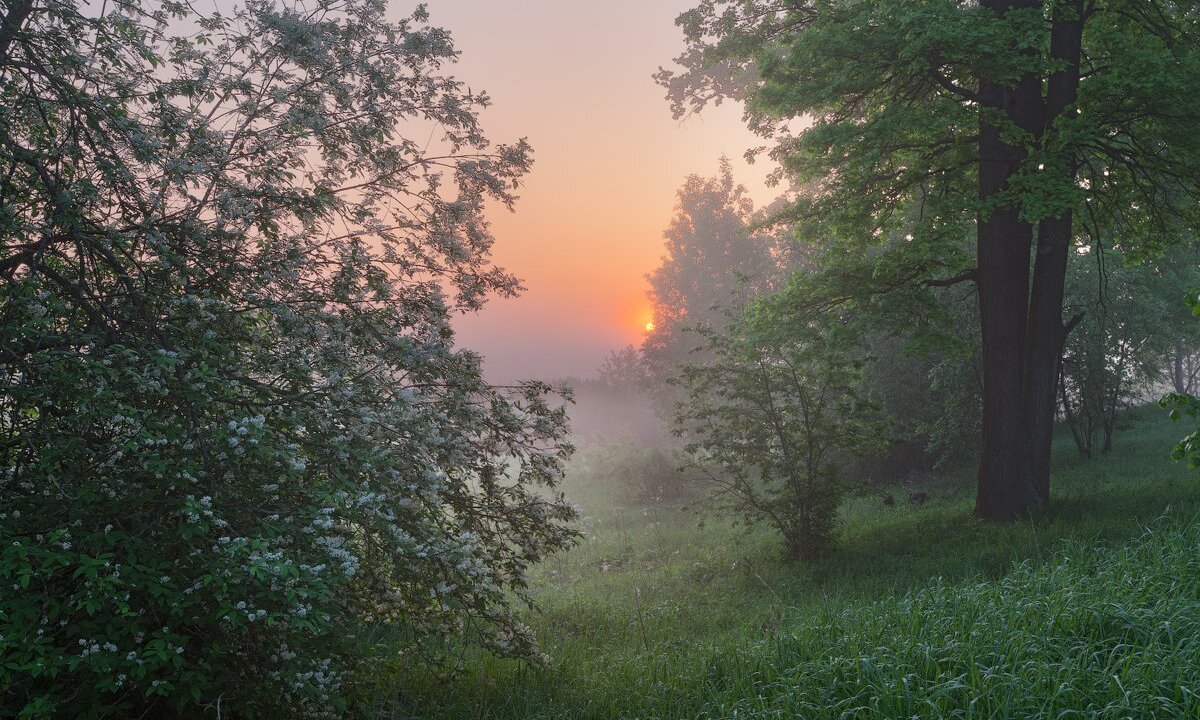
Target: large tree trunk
column 1022, row 331
column 1003, row 243
column 1005, row 474
column 1046, row 337
column 1046, row 330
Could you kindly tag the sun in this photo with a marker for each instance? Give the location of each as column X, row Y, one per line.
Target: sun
column 650, row 326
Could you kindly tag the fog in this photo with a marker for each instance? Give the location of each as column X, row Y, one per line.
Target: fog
column 576, row 81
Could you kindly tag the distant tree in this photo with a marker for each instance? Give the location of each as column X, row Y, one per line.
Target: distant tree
column 241, row 460
column 712, row 262
column 1127, row 338
column 1185, row 405
column 1173, row 276
column 616, row 408
column 624, row 371
column 1185, row 368
column 1009, row 117
column 1108, row 355
column 774, row 414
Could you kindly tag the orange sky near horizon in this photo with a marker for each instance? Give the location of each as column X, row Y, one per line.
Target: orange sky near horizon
column 574, row 78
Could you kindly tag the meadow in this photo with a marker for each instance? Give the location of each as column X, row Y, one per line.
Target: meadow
column 1089, row 607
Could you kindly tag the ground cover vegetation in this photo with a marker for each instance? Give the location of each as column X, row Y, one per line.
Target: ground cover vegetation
column 1086, row 606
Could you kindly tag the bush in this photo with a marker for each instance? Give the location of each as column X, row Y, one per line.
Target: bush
column 235, row 433
column 774, row 415
column 641, row 474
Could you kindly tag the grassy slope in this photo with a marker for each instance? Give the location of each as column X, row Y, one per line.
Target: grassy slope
column 1092, row 605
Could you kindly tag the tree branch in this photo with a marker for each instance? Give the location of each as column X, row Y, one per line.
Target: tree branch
column 969, row 275
column 954, row 87
column 1072, row 324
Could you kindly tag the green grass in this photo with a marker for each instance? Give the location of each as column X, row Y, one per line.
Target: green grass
column 1089, row 608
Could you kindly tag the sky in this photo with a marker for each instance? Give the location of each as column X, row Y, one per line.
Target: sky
column 574, row 77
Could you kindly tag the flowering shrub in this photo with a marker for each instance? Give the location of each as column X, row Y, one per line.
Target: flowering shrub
column 235, row 432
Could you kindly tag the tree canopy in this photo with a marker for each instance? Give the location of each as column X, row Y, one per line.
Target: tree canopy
column 714, row 260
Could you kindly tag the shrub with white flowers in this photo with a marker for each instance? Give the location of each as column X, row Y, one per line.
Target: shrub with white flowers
column 237, row 443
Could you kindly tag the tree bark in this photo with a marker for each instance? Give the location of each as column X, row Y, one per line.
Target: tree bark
column 1047, row 333
column 11, row 24
column 1003, row 242
column 1022, row 328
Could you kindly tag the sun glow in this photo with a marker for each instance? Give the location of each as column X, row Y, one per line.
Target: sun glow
column 650, row 326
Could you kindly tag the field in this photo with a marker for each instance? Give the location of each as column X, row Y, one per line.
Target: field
column 1089, row 608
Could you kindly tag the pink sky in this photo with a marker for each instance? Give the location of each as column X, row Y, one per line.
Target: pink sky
column 574, row 77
